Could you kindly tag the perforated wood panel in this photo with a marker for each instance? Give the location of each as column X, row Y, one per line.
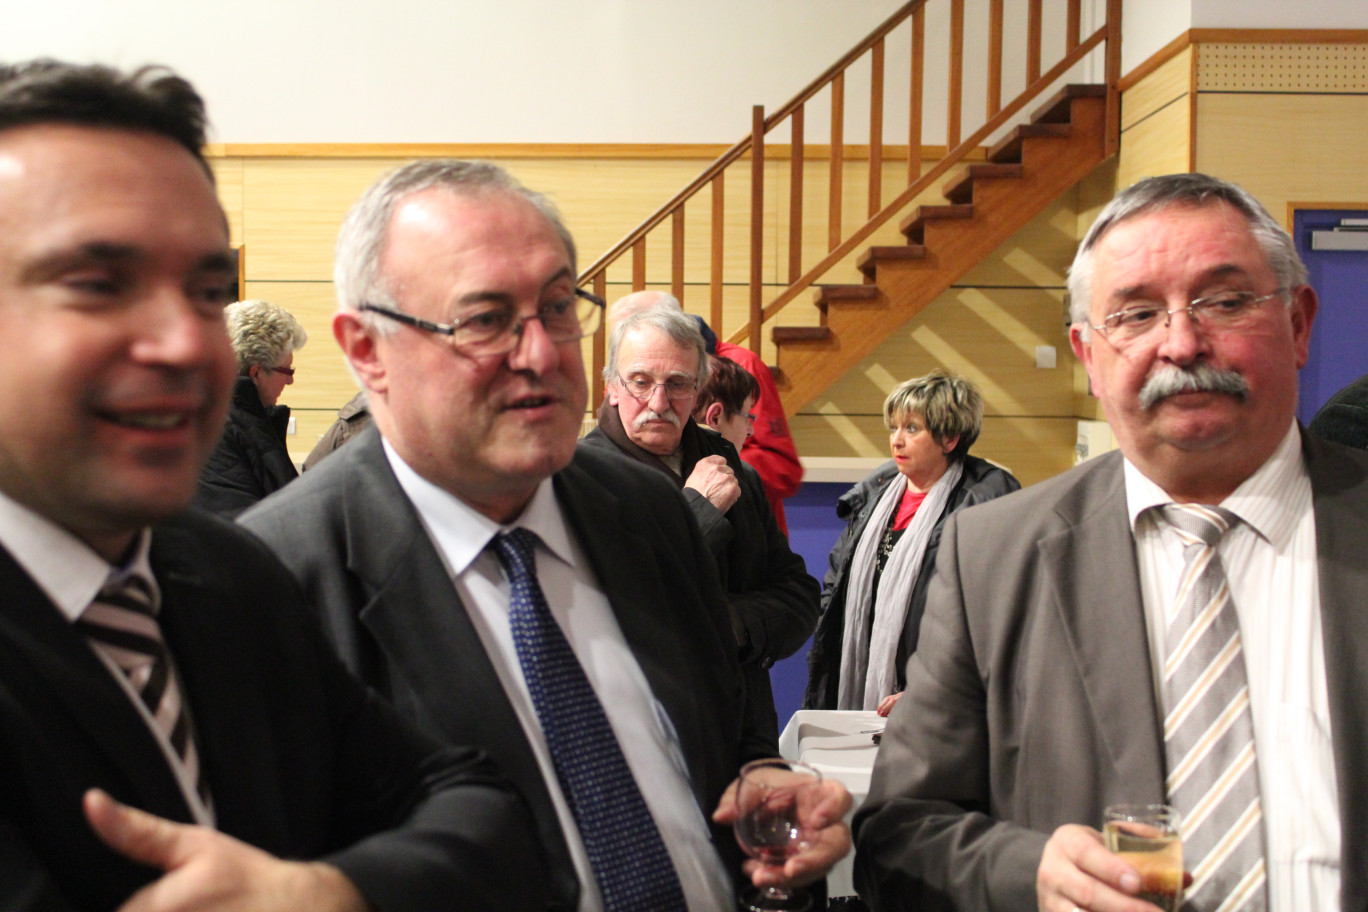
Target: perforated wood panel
column 1282, row 68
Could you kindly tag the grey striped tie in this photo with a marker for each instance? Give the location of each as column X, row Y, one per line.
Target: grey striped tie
column 1209, row 730
column 122, row 624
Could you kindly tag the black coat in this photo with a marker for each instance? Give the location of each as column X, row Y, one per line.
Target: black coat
column 251, row 459
column 981, row 481
column 302, row 760
column 770, row 596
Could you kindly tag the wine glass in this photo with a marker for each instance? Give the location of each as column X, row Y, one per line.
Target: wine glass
column 772, row 800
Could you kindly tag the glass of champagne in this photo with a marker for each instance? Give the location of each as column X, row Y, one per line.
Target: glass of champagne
column 1146, row 836
column 772, row 800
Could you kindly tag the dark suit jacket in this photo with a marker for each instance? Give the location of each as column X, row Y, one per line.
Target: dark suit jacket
column 356, row 544
column 1030, row 701
column 302, row 761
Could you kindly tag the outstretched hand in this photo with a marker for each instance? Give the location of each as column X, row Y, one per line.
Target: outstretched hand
column 207, row 871
column 823, row 821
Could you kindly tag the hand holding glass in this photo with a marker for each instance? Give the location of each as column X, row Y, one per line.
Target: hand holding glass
column 773, row 799
column 1146, row 836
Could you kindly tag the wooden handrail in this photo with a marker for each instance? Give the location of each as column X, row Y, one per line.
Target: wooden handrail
column 952, row 157
column 838, row 244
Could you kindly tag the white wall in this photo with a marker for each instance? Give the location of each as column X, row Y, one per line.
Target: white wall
column 1345, row 14
column 1148, row 25
column 463, row 71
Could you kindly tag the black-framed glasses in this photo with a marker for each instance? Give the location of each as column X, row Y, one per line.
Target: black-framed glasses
column 498, row 330
column 286, row 371
column 1226, row 311
column 640, row 386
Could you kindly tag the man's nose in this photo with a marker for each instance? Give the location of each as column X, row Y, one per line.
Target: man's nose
column 1183, row 338
column 174, row 330
column 535, row 351
column 658, row 400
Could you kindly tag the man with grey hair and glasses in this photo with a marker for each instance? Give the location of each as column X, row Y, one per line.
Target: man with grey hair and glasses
column 1180, row 622
column 656, row 363
column 557, row 608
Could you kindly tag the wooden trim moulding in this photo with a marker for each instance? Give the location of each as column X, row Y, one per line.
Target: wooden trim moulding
column 1293, row 206
column 1239, row 36
column 625, row 151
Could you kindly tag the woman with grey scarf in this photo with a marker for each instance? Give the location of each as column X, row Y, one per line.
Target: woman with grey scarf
column 875, row 590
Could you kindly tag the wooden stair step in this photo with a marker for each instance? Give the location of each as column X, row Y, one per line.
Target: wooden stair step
column 914, row 225
column 1056, row 110
column 788, row 335
column 873, row 256
column 1008, row 149
column 961, row 189
column 826, row 294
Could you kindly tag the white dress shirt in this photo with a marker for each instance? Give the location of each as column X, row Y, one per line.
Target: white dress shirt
column 643, row 729
column 1270, row 564
column 71, row 575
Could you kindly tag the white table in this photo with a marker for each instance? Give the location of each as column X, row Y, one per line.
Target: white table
column 840, row 745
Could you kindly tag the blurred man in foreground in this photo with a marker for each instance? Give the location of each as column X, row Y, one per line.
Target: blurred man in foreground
column 557, row 608
column 160, row 657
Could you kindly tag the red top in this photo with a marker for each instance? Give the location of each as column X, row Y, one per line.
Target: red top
column 770, row 450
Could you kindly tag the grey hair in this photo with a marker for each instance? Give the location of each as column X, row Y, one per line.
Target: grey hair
column 262, row 333
column 365, row 231
column 678, row 327
column 1195, row 191
column 948, row 405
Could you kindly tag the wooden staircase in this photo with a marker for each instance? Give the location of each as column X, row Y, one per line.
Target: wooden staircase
column 1027, row 170
column 1037, row 161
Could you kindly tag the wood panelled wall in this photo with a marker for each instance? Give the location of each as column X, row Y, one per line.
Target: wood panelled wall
column 1287, row 119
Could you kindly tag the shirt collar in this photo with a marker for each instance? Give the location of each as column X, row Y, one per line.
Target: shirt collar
column 462, row 532
column 63, row 566
column 1270, row 501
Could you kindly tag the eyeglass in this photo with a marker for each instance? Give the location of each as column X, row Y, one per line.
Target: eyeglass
column 287, row 371
column 1224, row 312
column 642, row 387
column 498, row 331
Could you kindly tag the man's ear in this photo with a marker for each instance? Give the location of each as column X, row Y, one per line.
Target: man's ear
column 358, row 345
column 712, row 416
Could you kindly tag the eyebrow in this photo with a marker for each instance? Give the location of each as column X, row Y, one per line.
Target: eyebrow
column 507, row 299
column 1214, row 274
column 104, row 253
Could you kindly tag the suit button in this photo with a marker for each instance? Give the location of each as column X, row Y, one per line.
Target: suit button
column 766, row 662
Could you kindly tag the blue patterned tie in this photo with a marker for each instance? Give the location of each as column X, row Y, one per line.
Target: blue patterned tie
column 629, row 858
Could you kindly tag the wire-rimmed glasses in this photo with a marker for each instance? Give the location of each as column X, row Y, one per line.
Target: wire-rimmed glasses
column 641, row 386
column 498, row 330
column 1226, row 311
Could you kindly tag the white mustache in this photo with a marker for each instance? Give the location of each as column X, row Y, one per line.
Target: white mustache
column 1170, row 380
column 647, row 415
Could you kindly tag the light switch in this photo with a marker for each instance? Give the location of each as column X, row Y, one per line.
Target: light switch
column 290, row 425
column 1045, row 357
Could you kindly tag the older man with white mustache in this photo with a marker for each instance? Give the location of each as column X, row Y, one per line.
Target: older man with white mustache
column 656, row 363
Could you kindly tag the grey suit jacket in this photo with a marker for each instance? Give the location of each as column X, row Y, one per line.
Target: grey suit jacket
column 1030, row 702
column 357, row 546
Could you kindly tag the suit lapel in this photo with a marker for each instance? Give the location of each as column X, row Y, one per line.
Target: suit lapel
column 1096, row 587
column 56, row 655
column 1339, row 487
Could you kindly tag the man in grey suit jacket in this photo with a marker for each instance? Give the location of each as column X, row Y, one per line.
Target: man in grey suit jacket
column 459, row 314
column 1036, row 698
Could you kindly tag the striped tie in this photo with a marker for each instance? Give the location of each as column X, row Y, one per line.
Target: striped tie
column 122, row 624
column 1209, row 730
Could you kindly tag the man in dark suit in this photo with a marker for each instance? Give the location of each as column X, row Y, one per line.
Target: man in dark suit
column 1065, row 621
column 155, row 659
column 459, row 314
